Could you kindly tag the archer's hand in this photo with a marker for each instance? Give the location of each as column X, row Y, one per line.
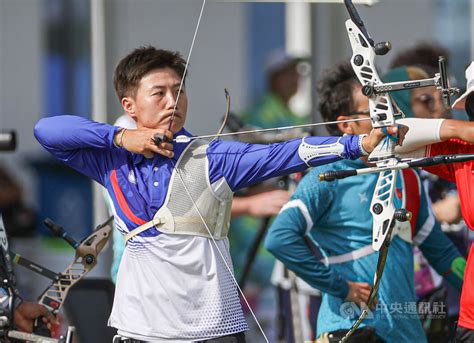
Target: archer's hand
column 376, row 135
column 26, row 313
column 263, row 204
column 359, row 293
column 141, row 141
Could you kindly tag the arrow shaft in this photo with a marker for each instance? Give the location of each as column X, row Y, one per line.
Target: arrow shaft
column 279, row 128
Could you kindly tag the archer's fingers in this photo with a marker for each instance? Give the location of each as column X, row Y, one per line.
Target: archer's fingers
column 162, row 136
column 166, row 146
column 25, row 325
column 365, row 286
column 163, row 152
column 166, row 153
column 365, row 293
column 51, row 319
column 392, row 130
column 32, row 310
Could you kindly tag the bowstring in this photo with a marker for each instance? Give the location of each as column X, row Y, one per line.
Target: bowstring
column 229, row 269
column 186, row 66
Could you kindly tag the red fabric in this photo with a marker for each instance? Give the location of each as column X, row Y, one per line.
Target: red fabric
column 466, row 312
column 462, row 174
column 122, row 202
column 413, row 191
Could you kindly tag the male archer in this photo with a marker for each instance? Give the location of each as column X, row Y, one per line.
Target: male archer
column 336, row 216
column 458, row 138
column 172, row 200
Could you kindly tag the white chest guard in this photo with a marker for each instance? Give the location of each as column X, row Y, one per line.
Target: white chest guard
column 179, row 215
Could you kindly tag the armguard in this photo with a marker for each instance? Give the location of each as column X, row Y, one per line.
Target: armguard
column 307, row 151
column 421, row 132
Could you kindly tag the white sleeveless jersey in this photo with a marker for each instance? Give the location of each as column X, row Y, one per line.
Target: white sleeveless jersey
column 176, row 287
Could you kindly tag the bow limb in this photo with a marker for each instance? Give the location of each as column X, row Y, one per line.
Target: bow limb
column 373, row 292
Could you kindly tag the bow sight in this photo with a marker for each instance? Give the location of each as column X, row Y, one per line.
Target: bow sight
column 440, row 81
column 371, row 87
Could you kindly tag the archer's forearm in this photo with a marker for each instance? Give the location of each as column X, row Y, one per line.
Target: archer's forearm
column 422, row 132
column 68, row 133
column 457, row 129
column 82, row 144
column 285, row 240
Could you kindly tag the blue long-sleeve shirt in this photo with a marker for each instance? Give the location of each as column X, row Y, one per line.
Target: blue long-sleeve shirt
column 336, row 216
column 87, row 146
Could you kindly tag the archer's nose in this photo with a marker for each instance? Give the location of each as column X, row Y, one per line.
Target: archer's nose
column 170, row 100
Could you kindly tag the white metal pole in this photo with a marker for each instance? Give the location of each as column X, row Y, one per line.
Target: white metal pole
column 298, row 43
column 298, row 28
column 99, row 95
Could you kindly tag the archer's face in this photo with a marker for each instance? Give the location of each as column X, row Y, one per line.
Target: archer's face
column 155, row 99
column 428, row 102
column 361, row 110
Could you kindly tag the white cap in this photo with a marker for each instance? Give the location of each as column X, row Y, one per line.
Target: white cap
column 459, row 104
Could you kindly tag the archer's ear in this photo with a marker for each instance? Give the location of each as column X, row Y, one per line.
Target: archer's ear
column 129, row 106
column 345, row 128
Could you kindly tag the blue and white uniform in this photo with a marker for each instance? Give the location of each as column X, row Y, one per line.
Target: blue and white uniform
column 336, row 217
column 172, row 287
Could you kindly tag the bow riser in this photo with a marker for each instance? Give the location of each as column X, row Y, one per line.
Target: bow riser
column 382, row 115
column 84, row 260
column 362, row 61
column 382, row 207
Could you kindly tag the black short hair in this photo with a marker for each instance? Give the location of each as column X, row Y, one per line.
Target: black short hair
column 335, row 89
column 424, row 55
column 133, row 67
